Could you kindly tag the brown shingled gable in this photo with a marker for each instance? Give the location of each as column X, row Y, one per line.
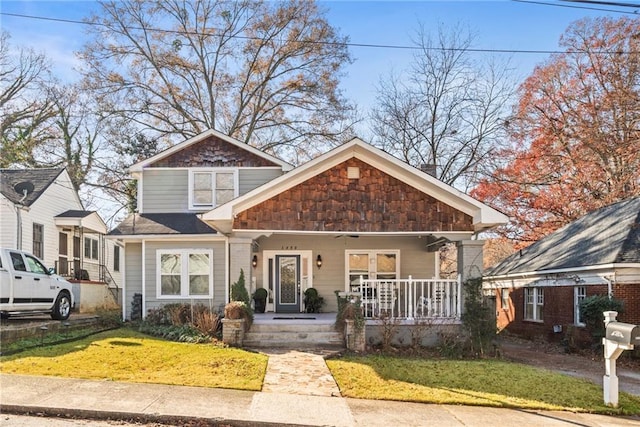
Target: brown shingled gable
column 213, row 152
column 376, row 202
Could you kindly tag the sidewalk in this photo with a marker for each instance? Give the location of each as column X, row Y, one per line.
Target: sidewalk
column 176, row 404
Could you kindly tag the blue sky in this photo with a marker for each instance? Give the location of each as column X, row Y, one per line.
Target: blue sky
column 498, row 24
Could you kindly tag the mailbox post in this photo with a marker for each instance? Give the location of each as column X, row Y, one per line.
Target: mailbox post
column 618, row 338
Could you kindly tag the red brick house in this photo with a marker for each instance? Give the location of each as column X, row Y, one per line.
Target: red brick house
column 538, row 289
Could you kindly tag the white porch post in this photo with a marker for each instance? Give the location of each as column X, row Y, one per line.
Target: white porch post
column 240, row 258
column 469, row 262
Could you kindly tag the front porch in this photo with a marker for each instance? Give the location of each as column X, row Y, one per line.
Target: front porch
column 414, row 310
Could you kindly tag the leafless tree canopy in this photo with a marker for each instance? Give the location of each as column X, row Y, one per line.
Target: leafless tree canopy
column 262, row 72
column 25, row 104
column 446, row 111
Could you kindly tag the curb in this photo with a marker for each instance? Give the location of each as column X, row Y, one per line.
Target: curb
column 171, row 420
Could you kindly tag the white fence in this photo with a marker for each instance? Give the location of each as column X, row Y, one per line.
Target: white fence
column 410, row 298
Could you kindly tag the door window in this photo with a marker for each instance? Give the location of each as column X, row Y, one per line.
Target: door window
column 35, row 266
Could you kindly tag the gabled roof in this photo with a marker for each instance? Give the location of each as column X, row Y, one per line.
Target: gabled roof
column 90, row 220
column 138, row 167
column 161, row 224
column 610, row 235
column 41, row 179
column 484, row 217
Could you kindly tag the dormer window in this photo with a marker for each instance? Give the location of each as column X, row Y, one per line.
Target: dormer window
column 209, row 188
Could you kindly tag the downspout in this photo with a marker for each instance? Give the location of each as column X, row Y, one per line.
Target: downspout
column 609, row 287
column 19, row 220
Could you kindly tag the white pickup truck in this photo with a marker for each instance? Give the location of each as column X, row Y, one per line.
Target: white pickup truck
column 27, row 286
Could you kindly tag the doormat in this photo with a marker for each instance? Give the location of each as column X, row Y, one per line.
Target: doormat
column 294, row 318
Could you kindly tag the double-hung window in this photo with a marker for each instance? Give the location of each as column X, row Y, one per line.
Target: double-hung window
column 504, row 296
column 209, row 188
column 185, row 273
column 533, row 304
column 38, row 240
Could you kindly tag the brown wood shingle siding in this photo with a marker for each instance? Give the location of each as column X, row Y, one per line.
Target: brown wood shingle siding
column 213, row 152
column 375, row 202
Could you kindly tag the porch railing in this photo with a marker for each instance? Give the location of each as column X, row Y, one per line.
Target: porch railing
column 410, row 298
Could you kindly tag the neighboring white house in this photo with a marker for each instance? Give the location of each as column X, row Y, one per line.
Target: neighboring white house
column 40, row 212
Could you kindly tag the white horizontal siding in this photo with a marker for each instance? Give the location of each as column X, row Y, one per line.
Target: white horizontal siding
column 59, row 197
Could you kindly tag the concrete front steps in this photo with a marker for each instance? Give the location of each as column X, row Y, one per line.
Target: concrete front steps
column 293, row 331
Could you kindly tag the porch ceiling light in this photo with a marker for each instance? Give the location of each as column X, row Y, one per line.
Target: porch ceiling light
column 254, row 261
column 319, row 261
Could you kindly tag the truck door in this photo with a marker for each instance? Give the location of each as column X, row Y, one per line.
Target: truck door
column 22, row 281
column 43, row 290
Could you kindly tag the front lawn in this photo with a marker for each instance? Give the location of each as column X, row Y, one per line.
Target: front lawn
column 127, row 355
column 470, row 382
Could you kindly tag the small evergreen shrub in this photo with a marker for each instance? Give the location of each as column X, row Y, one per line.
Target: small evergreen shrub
column 592, row 309
column 239, row 291
column 478, row 319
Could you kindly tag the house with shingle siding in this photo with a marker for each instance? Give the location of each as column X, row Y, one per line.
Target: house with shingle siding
column 212, row 206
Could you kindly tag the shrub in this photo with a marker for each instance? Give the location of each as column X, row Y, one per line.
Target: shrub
column 239, row 291
column 182, row 322
column 478, row 319
column 591, row 309
column 312, row 301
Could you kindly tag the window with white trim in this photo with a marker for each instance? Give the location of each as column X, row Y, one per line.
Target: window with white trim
column 579, row 293
column 533, row 304
column 372, row 265
column 185, row 273
column 209, row 188
column 90, row 248
column 504, row 296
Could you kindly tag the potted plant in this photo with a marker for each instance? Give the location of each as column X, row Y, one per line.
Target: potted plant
column 260, row 300
column 312, row 301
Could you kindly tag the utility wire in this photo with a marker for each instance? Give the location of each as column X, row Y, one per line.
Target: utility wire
column 574, row 6
column 349, row 44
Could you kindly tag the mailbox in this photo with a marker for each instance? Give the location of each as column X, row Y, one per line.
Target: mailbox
column 623, row 333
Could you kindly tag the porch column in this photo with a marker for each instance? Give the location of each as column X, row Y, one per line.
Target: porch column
column 240, row 258
column 470, row 256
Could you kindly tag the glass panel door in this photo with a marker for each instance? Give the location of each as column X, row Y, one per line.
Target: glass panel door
column 287, row 283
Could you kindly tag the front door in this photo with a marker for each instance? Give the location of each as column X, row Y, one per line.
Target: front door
column 287, row 283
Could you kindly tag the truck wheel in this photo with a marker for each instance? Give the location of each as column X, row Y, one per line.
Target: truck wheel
column 62, row 307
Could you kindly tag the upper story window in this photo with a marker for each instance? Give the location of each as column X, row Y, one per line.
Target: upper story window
column 209, row 188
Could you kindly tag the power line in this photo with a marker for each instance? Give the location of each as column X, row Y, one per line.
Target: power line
column 573, row 6
column 349, row 44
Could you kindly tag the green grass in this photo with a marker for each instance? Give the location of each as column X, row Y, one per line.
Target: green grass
column 127, row 355
column 470, row 382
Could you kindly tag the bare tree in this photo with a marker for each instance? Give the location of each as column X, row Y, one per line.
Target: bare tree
column 25, row 104
column 447, row 110
column 265, row 72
